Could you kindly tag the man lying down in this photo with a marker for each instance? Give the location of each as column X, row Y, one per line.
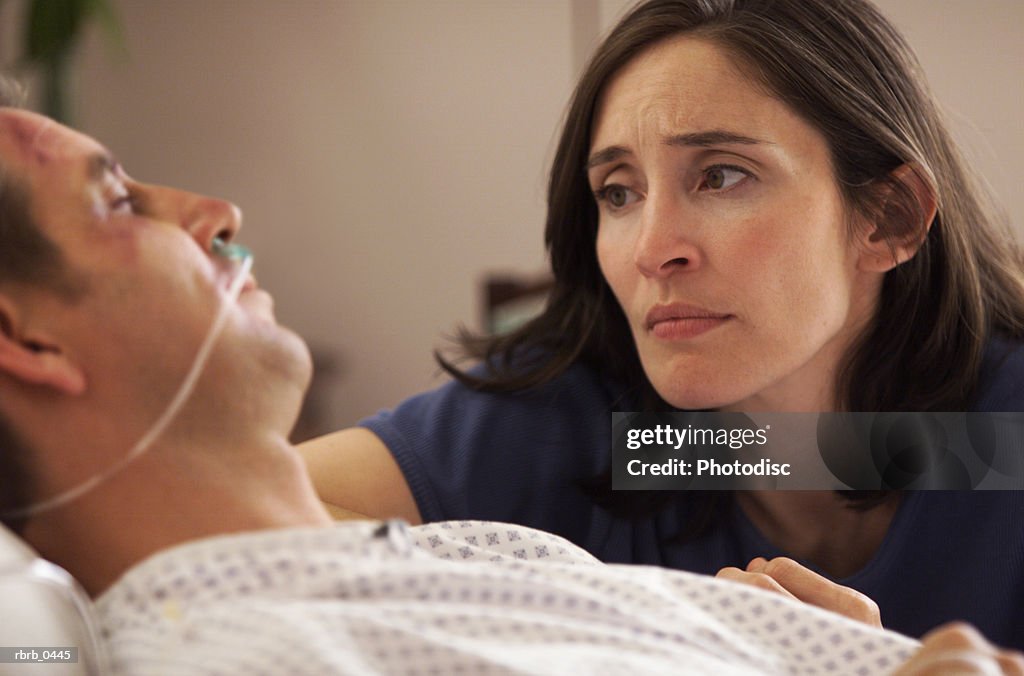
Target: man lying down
column 146, row 395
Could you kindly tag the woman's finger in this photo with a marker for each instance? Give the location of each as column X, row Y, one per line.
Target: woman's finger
column 753, row 579
column 817, row 590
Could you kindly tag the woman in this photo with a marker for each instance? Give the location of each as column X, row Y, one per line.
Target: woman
column 754, row 205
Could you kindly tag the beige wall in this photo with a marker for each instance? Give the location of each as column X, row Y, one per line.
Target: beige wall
column 973, row 54
column 388, row 152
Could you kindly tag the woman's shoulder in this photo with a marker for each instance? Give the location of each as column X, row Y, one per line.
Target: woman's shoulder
column 466, row 452
column 1001, row 380
column 575, row 396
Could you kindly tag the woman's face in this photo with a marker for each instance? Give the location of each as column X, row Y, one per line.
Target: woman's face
column 723, row 234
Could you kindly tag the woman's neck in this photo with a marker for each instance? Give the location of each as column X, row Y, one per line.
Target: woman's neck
column 819, row 527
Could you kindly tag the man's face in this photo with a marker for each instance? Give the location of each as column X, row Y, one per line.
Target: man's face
column 150, row 287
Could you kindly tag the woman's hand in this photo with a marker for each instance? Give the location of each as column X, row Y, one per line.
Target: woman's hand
column 787, row 577
column 958, row 648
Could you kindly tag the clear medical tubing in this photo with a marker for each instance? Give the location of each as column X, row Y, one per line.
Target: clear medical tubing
column 244, row 260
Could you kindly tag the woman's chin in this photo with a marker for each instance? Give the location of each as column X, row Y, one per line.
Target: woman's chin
column 703, row 398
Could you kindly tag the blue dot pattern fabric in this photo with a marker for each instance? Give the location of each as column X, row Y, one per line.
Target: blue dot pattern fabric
column 464, row 597
column 524, row 458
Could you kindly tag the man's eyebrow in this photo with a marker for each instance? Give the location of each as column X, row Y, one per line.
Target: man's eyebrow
column 700, row 139
column 99, row 164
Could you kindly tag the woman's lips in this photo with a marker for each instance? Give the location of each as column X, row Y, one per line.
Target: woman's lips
column 680, row 321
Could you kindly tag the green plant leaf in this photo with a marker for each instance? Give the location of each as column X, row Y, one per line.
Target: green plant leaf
column 53, row 26
column 106, row 15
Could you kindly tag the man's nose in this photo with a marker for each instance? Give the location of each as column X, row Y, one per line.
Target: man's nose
column 668, row 237
column 205, row 218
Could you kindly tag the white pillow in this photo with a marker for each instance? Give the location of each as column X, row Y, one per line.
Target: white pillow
column 43, row 608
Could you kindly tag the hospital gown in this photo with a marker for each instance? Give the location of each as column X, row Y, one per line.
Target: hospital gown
column 457, row 597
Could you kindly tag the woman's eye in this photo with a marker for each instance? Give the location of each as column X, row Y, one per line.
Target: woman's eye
column 616, row 196
column 722, row 177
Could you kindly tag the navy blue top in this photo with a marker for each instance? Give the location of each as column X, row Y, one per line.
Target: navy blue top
column 521, row 457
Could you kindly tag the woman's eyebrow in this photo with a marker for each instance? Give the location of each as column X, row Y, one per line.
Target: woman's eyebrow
column 699, row 139
column 605, row 155
column 703, row 139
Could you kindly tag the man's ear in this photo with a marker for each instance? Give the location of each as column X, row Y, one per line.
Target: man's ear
column 907, row 208
column 31, row 357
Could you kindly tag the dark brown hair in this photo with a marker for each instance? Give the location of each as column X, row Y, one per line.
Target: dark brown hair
column 27, row 257
column 843, row 67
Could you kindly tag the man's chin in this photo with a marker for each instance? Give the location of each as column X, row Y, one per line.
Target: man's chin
column 296, row 356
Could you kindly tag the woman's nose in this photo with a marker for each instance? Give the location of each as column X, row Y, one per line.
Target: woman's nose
column 667, row 239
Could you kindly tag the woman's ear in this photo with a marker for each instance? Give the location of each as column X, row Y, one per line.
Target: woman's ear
column 31, row 357
column 907, row 208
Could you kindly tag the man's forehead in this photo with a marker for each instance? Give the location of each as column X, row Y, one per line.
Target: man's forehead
column 33, row 138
